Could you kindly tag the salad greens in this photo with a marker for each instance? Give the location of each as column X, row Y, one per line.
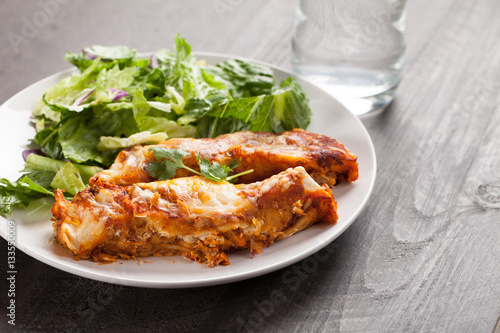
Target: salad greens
column 119, row 98
column 19, row 193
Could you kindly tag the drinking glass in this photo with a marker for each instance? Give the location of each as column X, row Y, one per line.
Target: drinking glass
column 353, row 49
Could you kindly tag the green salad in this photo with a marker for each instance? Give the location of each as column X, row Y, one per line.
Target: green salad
column 119, row 98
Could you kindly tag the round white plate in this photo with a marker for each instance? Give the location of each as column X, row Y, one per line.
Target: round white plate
column 34, row 234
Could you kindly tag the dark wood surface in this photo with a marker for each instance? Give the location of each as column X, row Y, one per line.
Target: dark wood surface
column 423, row 256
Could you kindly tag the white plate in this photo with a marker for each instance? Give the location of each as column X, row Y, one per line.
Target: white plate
column 34, row 228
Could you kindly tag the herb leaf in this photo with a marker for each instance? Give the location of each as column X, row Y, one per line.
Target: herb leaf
column 168, row 161
column 215, row 171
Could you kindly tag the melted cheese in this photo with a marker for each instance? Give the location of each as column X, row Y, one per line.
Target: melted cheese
column 194, row 216
column 266, row 153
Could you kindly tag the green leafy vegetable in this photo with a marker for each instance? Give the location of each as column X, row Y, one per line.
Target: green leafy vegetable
column 19, row 193
column 122, row 56
column 146, row 137
column 118, row 94
column 285, row 109
column 168, row 161
column 44, row 164
column 60, row 98
column 217, row 172
column 41, row 176
column 243, row 79
column 69, row 179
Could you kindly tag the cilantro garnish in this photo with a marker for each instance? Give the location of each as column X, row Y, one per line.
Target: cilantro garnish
column 167, row 161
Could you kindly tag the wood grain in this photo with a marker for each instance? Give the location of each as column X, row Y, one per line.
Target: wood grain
column 424, row 254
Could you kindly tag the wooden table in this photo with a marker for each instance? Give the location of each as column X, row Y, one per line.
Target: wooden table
column 423, row 256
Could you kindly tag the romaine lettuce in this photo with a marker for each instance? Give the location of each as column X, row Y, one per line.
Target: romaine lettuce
column 146, row 137
column 41, row 176
column 110, row 56
column 284, row 109
column 69, row 179
column 243, row 79
column 19, row 193
column 118, row 94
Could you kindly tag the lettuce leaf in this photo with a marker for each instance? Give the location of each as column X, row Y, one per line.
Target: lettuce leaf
column 149, row 120
column 110, row 56
column 41, row 176
column 80, row 92
column 110, row 80
column 60, row 97
column 68, row 179
column 117, row 96
column 184, row 73
column 48, row 140
column 284, row 109
column 243, row 79
column 19, row 193
column 146, row 137
column 79, row 140
column 41, row 164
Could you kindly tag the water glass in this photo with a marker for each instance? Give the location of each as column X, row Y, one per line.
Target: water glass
column 354, row 49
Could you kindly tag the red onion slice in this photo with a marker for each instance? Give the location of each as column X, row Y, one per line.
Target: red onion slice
column 153, row 62
column 31, row 151
column 119, row 93
column 88, row 54
column 80, row 99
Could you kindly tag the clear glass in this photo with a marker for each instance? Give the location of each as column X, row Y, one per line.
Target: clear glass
column 354, row 49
